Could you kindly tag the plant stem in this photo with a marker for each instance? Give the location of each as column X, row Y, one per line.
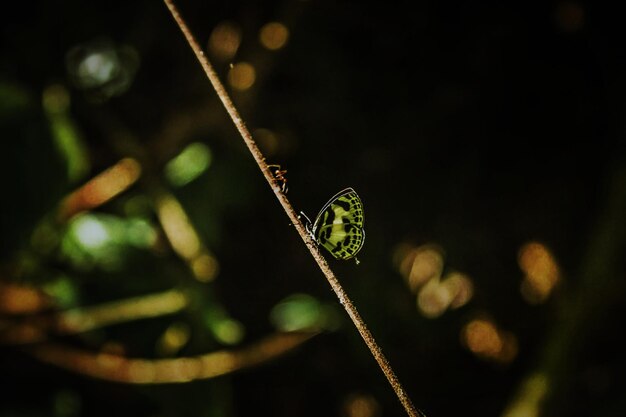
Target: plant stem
column 293, row 216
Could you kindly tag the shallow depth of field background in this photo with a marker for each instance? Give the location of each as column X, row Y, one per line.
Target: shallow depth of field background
column 486, row 140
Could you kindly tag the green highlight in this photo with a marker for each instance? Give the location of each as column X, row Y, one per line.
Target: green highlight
column 63, row 291
column 188, row 165
column 297, row 312
column 100, row 240
column 67, row 138
column 225, row 329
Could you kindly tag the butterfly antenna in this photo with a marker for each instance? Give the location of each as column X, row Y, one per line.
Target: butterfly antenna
column 307, row 222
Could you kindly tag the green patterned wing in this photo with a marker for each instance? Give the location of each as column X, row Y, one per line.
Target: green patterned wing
column 339, row 226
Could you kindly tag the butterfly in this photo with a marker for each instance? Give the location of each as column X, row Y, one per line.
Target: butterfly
column 339, row 225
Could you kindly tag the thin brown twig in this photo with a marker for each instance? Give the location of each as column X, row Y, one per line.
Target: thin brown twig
column 293, row 216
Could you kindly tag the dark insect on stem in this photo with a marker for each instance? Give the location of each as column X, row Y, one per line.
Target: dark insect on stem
column 279, row 175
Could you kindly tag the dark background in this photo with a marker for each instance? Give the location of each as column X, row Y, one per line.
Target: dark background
column 478, row 127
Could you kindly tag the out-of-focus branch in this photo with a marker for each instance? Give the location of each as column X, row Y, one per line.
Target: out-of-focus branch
column 101, row 188
column 545, row 389
column 161, row 371
column 79, row 320
column 177, row 227
column 183, row 237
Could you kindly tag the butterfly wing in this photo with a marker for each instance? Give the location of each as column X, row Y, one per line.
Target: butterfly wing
column 339, row 225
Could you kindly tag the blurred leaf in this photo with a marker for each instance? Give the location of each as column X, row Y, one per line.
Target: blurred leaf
column 103, row 240
column 225, row 329
column 63, row 290
column 301, row 312
column 188, row 165
column 67, row 138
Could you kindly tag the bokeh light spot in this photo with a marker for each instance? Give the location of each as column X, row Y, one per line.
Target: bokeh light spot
column 96, row 239
column 101, row 68
column 297, row 312
column 419, row 264
column 173, row 339
column 433, row 299
column 228, row 331
column 541, row 272
column 361, row 405
column 224, row 328
column 422, row 267
column 483, row 338
column 460, row 288
column 224, row 41
column 91, row 233
column 274, row 35
column 188, row 164
column 97, row 68
column 205, row 267
column 241, row 76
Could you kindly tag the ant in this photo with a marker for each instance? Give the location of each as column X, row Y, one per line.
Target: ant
column 279, row 175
